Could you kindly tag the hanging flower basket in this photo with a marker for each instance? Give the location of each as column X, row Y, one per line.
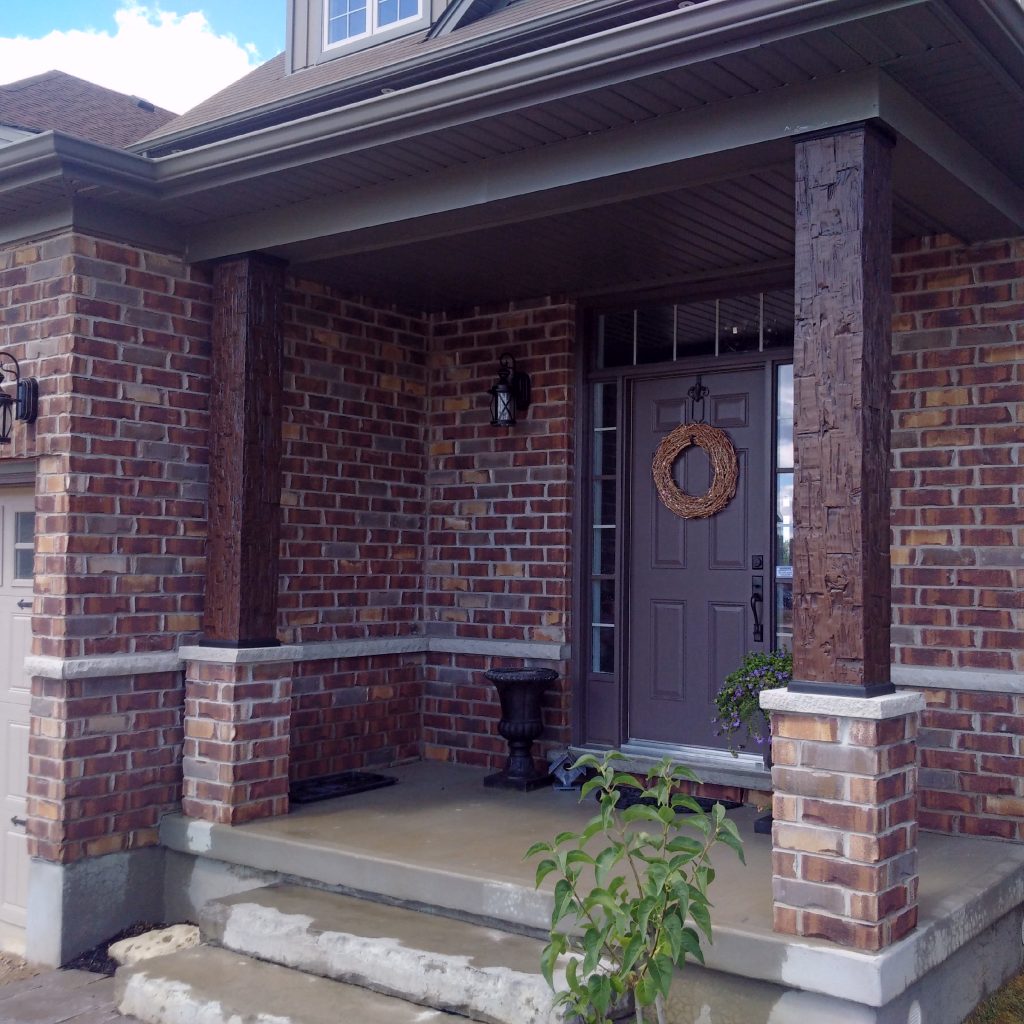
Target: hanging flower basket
column 740, row 718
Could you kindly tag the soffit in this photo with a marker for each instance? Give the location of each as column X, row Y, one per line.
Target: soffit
column 656, row 244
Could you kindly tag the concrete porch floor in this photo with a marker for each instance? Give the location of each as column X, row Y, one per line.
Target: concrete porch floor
column 440, row 840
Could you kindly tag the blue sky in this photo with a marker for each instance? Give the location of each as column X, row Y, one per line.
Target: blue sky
column 260, row 22
column 174, row 53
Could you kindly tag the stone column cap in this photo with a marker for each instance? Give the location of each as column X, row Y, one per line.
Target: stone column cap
column 890, row 705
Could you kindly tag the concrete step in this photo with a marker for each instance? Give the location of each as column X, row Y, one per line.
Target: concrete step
column 208, row 985
column 487, row 975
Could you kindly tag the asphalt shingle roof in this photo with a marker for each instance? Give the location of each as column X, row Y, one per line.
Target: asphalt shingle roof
column 271, row 84
column 55, row 101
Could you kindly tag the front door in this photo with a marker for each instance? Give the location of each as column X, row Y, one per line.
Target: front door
column 17, row 544
column 690, row 581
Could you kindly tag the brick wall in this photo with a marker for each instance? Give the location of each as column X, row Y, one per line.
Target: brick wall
column 122, row 474
column 499, row 519
column 104, row 763
column 958, row 452
column 119, row 338
column 36, row 318
column 958, row 520
column 354, row 713
column 353, row 469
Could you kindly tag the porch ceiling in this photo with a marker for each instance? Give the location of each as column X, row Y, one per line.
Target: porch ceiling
column 644, row 246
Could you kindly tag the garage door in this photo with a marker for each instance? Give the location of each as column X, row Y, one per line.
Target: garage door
column 17, row 531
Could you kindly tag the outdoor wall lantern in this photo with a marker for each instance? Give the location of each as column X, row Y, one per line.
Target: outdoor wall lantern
column 510, row 395
column 23, row 405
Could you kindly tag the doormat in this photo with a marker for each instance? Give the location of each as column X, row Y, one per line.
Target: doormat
column 328, row 787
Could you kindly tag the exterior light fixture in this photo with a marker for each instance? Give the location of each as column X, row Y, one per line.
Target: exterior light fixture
column 23, row 405
column 511, row 394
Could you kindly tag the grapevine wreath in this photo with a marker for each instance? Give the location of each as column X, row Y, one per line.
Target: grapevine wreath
column 724, row 470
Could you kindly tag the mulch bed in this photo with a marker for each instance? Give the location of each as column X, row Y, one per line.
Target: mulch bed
column 96, row 960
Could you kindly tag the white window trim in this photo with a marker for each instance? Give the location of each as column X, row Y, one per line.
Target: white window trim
column 374, row 32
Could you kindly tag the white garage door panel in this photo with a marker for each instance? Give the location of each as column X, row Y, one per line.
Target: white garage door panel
column 15, row 843
column 16, row 638
column 16, row 546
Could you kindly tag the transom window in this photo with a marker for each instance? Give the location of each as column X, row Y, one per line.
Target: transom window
column 717, row 327
column 355, row 19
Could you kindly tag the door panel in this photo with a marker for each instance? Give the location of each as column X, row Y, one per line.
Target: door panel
column 17, row 528
column 690, row 579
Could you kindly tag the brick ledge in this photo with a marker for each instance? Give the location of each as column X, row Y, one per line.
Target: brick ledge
column 173, row 661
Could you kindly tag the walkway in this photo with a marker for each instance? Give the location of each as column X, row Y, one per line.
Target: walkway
column 61, row 997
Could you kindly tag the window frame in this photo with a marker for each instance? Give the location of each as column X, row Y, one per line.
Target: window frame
column 374, row 32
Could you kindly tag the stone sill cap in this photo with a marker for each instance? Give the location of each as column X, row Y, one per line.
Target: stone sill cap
column 891, row 705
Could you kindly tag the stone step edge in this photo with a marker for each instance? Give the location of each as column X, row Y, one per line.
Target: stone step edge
column 209, row 985
column 442, row 981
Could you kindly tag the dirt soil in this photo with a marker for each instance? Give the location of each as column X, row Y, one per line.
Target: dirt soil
column 13, row 968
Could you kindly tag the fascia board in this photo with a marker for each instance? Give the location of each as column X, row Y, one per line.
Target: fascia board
column 671, row 40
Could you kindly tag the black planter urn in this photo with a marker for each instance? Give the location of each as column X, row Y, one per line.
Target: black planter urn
column 520, row 691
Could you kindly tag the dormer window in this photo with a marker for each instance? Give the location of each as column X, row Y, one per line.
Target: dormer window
column 323, row 30
column 348, row 20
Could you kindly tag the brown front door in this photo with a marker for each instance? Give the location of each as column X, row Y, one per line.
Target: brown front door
column 691, row 580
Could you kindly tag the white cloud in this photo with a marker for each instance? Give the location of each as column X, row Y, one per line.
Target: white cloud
column 172, row 60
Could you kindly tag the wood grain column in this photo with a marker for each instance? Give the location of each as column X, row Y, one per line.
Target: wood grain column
column 841, row 581
column 245, row 453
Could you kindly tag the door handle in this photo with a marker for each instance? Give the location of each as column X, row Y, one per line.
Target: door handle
column 756, row 600
column 20, row 822
column 24, row 604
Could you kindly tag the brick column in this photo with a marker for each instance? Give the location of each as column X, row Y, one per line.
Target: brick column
column 844, row 838
column 237, row 725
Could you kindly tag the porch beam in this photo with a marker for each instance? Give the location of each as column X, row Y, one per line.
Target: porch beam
column 842, row 381
column 245, row 453
column 945, row 157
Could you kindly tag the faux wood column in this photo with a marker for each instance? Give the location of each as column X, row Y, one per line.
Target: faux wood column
column 245, row 453
column 842, row 382
column 844, row 839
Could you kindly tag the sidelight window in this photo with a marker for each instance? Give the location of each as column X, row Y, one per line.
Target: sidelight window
column 604, row 526
column 784, row 506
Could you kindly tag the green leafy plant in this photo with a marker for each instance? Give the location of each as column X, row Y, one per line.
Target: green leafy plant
column 630, row 908
column 740, row 717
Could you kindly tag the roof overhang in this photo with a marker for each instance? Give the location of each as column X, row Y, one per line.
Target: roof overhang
column 262, row 181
